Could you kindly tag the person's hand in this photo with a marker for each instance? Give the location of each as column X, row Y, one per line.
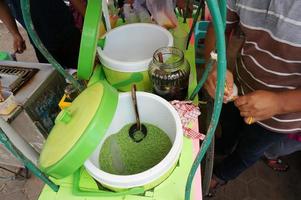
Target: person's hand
column 210, row 84
column 259, row 105
column 19, row 43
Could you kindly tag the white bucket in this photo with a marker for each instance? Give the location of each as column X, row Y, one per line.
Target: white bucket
column 130, row 48
column 154, row 110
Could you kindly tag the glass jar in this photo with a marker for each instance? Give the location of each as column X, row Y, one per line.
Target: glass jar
column 169, row 73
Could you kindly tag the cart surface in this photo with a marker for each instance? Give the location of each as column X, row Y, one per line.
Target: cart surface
column 173, row 188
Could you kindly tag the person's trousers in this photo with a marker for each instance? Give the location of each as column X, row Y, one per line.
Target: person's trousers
column 249, row 141
column 282, row 148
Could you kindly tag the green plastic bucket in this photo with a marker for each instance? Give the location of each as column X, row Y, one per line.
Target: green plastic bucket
column 156, row 111
column 127, row 52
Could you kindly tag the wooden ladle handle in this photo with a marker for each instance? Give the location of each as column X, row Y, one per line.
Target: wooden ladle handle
column 134, row 99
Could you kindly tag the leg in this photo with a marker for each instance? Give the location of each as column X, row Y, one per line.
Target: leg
column 281, row 148
column 231, row 124
column 68, row 52
column 254, row 141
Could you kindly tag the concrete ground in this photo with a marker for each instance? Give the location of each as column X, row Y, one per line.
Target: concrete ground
column 6, row 44
column 18, row 189
column 257, row 183
column 262, row 183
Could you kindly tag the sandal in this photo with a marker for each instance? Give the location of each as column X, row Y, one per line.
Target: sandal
column 276, row 164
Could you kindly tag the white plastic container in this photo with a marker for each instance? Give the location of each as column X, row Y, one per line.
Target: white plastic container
column 154, row 110
column 129, row 49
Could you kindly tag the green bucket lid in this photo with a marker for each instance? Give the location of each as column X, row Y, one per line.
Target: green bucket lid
column 78, row 130
column 89, row 39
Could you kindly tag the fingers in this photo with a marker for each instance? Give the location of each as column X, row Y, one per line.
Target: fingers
column 229, row 84
column 245, row 110
column 19, row 44
column 21, row 47
column 241, row 101
column 245, row 113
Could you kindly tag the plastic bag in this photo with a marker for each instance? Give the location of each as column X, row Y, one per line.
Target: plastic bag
column 163, row 12
column 141, row 11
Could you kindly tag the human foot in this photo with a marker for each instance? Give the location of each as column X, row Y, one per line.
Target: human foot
column 276, row 164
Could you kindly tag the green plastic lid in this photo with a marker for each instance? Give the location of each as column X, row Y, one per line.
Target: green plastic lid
column 78, row 130
column 89, row 39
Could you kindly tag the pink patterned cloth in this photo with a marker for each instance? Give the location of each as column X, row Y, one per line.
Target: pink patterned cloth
column 188, row 113
column 296, row 136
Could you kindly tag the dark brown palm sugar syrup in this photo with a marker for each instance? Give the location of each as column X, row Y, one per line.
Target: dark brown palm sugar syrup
column 169, row 72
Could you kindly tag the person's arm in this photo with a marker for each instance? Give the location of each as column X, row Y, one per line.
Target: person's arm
column 210, row 84
column 9, row 21
column 263, row 105
column 80, row 6
column 290, row 101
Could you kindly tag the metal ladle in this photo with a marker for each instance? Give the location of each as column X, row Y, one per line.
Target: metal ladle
column 137, row 131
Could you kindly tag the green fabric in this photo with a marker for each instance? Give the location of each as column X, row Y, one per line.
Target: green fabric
column 122, row 156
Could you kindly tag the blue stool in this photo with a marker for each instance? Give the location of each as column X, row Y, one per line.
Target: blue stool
column 200, row 31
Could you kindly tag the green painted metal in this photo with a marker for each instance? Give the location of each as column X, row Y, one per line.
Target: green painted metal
column 27, row 163
column 25, row 6
column 89, row 39
column 221, row 73
column 78, row 130
column 202, row 80
column 195, row 19
column 223, row 9
column 187, row 2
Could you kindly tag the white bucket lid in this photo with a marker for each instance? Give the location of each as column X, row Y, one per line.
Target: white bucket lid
column 130, row 48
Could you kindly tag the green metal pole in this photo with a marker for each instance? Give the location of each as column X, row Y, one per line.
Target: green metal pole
column 195, row 19
column 187, row 2
column 203, row 79
column 27, row 163
column 25, row 6
column 223, row 9
column 221, row 73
